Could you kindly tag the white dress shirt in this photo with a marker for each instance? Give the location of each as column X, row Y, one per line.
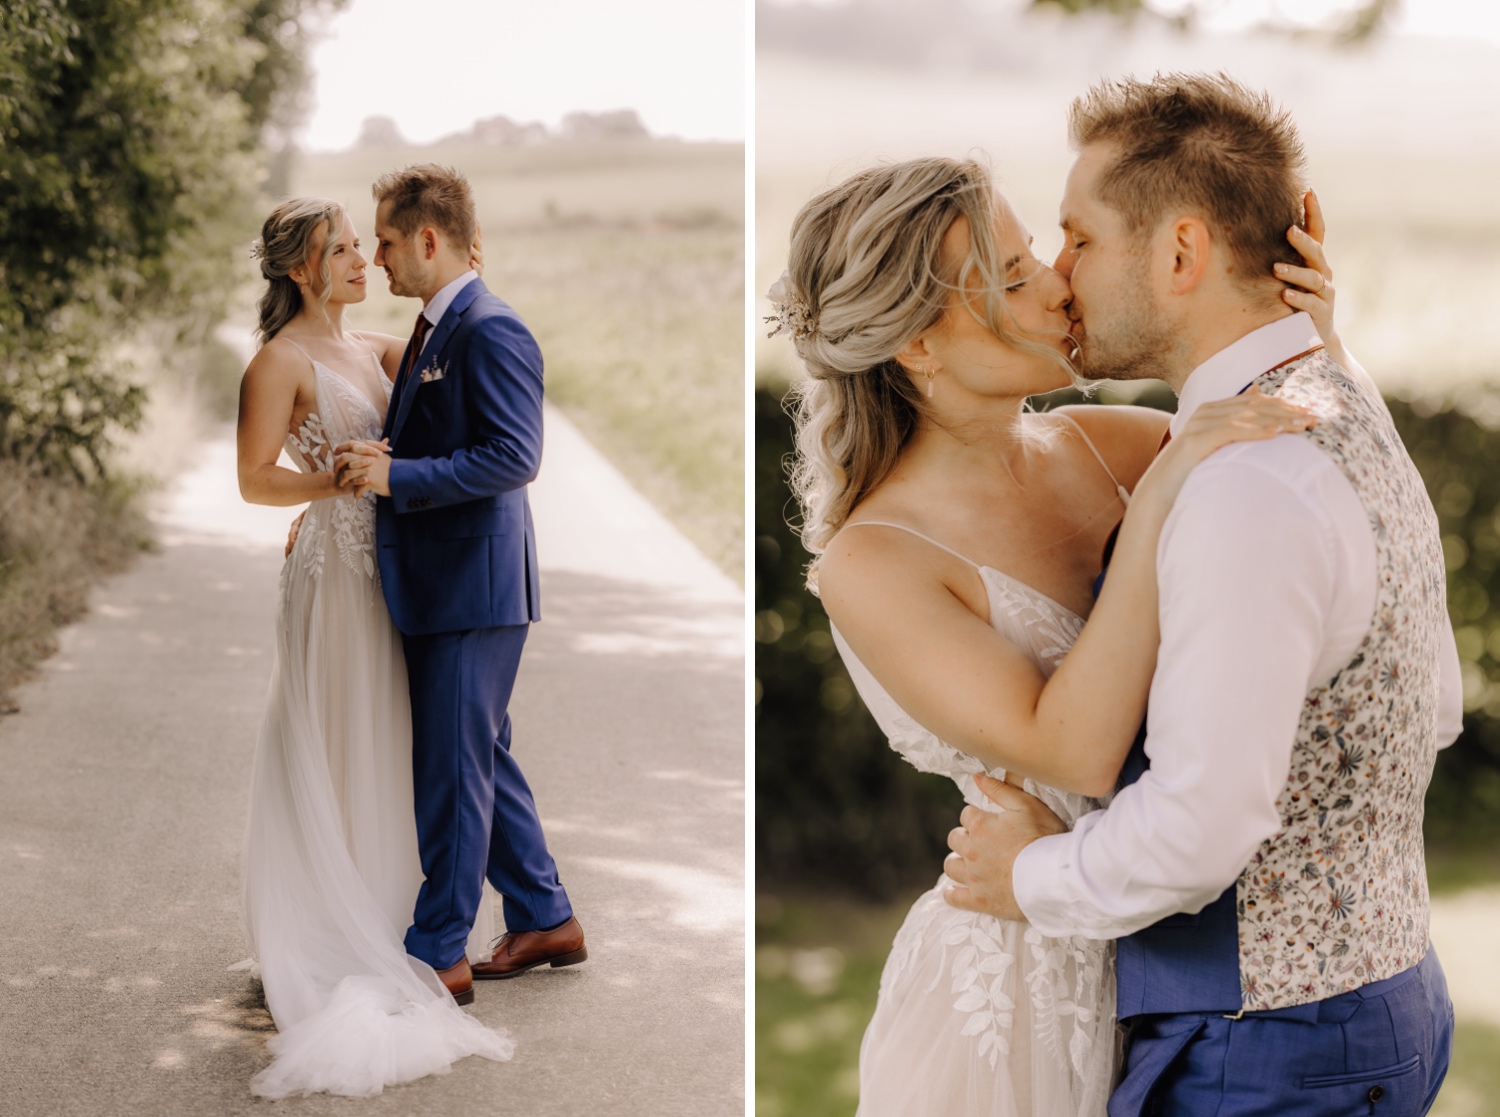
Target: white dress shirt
column 438, row 305
column 1266, row 566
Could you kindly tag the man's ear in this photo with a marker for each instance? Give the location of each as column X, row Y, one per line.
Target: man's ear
column 1191, row 248
column 429, row 242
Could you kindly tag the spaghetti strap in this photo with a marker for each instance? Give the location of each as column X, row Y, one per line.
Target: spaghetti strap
column 918, row 534
column 299, row 349
column 1119, row 488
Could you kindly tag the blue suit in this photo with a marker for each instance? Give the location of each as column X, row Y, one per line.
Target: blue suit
column 457, row 555
column 1382, row 1048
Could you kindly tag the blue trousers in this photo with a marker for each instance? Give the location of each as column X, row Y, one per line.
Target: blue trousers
column 1382, row 1049
column 475, row 814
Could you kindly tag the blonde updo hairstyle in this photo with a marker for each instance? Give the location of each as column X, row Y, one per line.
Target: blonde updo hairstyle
column 866, row 276
column 286, row 241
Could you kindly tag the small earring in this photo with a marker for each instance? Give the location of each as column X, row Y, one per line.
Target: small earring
column 927, row 372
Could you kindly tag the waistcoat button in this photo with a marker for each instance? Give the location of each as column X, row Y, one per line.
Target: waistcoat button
column 1376, row 1093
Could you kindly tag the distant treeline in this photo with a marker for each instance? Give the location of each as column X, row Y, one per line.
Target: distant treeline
column 836, row 808
column 577, row 127
column 135, row 138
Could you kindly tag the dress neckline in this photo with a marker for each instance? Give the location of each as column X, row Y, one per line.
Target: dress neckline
column 1030, row 589
column 319, row 366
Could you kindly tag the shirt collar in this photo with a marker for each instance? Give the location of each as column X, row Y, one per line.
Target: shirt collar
column 1230, row 370
column 438, row 305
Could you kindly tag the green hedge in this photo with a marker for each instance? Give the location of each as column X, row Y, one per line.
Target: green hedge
column 835, row 807
column 134, row 142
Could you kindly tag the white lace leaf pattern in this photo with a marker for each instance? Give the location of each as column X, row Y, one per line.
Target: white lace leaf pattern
column 344, row 414
column 985, row 966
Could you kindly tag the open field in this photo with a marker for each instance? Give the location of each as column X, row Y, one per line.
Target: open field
column 626, row 260
column 817, row 970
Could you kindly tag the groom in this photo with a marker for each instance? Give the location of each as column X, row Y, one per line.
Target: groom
column 458, row 566
column 1263, row 868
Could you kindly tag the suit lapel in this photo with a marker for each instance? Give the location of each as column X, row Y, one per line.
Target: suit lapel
column 387, row 429
column 432, row 354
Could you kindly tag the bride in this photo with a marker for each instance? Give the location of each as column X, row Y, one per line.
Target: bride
column 957, row 536
column 331, row 867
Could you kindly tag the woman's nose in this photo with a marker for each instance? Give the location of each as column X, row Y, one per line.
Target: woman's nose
column 1059, row 291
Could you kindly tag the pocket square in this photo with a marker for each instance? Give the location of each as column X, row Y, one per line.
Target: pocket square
column 432, row 372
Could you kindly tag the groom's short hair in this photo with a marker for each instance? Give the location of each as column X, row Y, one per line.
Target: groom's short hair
column 428, row 195
column 1204, row 143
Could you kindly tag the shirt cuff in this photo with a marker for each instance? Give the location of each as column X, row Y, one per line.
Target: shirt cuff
column 1034, row 877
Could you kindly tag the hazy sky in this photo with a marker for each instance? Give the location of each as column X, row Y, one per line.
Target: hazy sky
column 437, row 65
column 1466, row 18
column 1469, row 18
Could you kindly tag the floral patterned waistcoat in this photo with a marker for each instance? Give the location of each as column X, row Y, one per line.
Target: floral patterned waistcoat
column 1338, row 897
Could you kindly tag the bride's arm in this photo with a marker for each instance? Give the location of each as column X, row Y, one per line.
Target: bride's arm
column 899, row 605
column 388, row 350
column 268, row 400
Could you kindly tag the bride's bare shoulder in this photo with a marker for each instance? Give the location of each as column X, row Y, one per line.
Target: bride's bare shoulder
column 276, row 361
column 275, row 379
column 1127, row 436
column 870, row 560
column 387, row 348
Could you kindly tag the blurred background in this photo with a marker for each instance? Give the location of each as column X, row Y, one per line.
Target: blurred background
column 1396, row 104
column 142, row 142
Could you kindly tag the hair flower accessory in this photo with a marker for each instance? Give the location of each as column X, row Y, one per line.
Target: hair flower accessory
column 791, row 314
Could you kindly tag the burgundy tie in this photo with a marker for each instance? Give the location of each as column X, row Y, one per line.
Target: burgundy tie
column 416, row 346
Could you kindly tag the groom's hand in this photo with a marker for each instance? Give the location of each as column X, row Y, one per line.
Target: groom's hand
column 986, row 844
column 362, row 465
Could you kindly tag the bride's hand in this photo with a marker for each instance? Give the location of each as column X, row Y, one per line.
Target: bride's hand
column 476, row 251
column 1248, row 417
column 1315, row 281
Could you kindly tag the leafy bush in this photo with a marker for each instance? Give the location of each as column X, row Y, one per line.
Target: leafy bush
column 133, row 143
column 834, row 805
column 131, row 136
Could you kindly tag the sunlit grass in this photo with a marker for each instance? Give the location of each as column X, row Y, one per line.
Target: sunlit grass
column 817, row 972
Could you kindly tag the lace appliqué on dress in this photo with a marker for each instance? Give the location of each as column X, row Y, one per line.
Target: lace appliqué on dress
column 986, row 964
column 353, row 518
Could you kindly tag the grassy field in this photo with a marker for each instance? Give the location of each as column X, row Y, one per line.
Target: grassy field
column 817, row 970
column 627, row 261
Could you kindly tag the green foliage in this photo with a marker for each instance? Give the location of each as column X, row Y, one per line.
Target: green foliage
column 130, row 135
column 1362, row 21
column 1456, row 455
column 1073, row 7
column 835, row 806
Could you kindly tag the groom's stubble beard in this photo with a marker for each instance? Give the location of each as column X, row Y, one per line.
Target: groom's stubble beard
column 1137, row 341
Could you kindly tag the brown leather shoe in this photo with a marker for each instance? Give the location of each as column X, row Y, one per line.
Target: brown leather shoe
column 459, row 980
column 519, row 951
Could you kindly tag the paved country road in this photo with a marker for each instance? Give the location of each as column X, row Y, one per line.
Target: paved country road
column 123, row 797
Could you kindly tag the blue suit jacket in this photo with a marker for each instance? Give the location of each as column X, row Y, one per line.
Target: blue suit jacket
column 454, row 539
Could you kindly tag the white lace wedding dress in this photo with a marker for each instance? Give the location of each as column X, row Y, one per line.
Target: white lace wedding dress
column 331, row 868
column 981, row 1017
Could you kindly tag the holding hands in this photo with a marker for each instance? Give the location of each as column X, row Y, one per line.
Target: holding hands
column 363, row 465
